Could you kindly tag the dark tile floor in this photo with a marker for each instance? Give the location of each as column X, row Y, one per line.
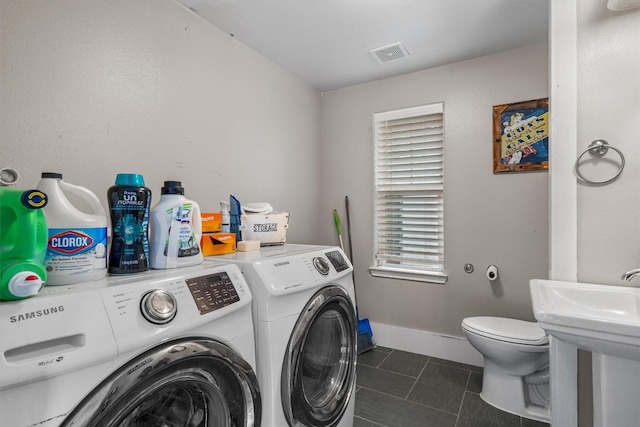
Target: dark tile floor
column 399, row 389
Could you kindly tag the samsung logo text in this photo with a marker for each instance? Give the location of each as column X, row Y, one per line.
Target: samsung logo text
column 34, row 314
column 281, row 264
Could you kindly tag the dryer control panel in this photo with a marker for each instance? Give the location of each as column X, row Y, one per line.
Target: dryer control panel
column 288, row 273
column 338, row 261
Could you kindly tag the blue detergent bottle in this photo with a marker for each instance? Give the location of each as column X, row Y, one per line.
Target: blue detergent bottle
column 129, row 203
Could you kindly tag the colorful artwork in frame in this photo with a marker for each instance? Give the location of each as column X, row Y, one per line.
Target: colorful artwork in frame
column 521, row 136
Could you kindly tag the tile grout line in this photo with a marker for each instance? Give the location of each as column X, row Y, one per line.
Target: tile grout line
column 409, row 401
column 385, row 358
column 464, row 395
column 386, row 394
column 394, row 372
column 415, row 381
column 372, row 422
column 460, row 410
column 466, row 387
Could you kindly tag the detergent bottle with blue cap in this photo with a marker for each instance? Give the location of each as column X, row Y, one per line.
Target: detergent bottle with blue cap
column 129, row 205
column 23, row 239
column 77, row 242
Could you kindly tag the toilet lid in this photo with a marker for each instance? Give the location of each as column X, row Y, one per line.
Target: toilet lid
column 504, row 329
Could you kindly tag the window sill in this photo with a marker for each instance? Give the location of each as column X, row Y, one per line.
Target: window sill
column 405, row 274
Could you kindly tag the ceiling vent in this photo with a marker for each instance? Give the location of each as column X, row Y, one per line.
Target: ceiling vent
column 389, row 53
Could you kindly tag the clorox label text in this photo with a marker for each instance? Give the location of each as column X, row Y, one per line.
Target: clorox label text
column 70, row 242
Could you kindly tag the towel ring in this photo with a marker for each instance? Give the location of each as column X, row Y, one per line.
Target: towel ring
column 599, row 148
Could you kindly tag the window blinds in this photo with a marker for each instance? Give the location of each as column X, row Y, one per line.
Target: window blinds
column 409, row 224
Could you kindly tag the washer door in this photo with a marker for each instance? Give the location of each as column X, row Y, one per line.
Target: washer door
column 194, row 382
column 319, row 367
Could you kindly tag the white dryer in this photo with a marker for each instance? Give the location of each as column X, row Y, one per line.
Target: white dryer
column 162, row 348
column 306, row 333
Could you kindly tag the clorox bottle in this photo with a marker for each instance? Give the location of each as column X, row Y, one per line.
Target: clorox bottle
column 77, row 243
column 23, row 239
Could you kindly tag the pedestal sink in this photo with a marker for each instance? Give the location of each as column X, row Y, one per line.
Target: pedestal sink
column 604, row 320
column 599, row 318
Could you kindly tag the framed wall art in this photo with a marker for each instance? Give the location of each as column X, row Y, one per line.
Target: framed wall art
column 521, row 136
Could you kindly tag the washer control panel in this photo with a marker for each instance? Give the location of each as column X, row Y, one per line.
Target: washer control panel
column 163, row 303
column 212, row 291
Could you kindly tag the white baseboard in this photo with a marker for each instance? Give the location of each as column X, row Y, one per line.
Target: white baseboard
column 428, row 343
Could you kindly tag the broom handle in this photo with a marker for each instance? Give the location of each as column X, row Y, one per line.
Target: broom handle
column 346, row 204
column 353, row 272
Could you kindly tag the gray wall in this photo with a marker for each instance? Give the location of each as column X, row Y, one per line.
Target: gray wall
column 90, row 89
column 499, row 219
column 609, row 108
column 93, row 89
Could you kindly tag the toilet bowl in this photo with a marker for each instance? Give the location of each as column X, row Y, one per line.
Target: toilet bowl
column 516, row 364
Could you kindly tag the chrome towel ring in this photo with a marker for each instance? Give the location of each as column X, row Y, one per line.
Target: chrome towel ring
column 599, row 148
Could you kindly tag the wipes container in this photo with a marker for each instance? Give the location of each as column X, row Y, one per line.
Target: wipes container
column 77, row 241
column 23, row 242
column 270, row 229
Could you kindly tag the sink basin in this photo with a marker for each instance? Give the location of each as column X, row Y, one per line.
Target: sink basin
column 599, row 318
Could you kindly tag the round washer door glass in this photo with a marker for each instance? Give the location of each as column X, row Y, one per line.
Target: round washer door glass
column 318, row 372
column 194, row 382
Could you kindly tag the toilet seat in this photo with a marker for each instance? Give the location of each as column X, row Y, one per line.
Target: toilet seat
column 505, row 329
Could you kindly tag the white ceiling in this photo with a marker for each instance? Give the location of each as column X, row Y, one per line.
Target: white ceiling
column 326, row 42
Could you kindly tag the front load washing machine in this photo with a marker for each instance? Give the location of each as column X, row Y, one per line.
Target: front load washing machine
column 162, row 348
column 306, row 333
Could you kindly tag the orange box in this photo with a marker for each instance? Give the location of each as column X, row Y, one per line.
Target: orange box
column 218, row 243
column 211, row 222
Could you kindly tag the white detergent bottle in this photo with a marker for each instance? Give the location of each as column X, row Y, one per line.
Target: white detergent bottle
column 176, row 228
column 77, row 240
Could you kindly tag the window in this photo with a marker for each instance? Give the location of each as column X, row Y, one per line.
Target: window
column 409, row 191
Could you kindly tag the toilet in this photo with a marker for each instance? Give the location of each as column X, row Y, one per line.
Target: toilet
column 516, row 364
